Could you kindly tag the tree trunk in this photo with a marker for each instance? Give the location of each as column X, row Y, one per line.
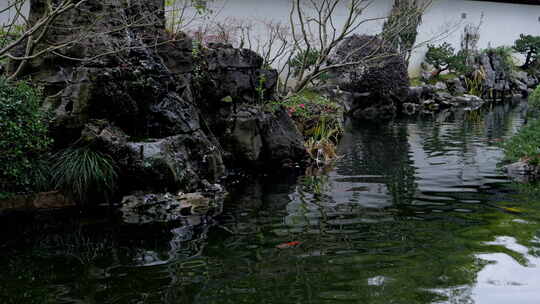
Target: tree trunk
column 401, row 28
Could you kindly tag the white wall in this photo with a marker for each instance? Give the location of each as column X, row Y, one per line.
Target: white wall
column 5, row 17
column 502, row 23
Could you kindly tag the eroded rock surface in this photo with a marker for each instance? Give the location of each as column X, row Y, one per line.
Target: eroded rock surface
column 129, row 89
column 374, row 91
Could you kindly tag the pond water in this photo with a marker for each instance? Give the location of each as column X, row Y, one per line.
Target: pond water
column 415, row 212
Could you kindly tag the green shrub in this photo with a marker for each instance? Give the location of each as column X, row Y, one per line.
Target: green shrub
column 444, row 58
column 8, row 36
column 440, row 56
column 319, row 119
column 534, row 99
column 304, row 60
column 24, row 139
column 82, row 174
column 525, row 145
column 529, row 46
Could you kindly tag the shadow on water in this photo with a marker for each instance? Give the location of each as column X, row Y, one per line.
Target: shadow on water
column 416, row 211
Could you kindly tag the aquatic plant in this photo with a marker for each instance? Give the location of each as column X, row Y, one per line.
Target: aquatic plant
column 81, row 172
column 322, row 141
column 475, row 83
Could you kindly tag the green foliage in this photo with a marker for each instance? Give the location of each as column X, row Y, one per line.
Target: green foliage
column 475, row 83
column 308, row 105
column 318, row 119
column 443, row 58
column 9, row 35
column 534, row 99
column 322, row 140
column 416, row 82
column 260, row 89
column 82, row 173
column 529, row 46
column 458, row 64
column 304, row 60
column 506, row 54
column 24, row 139
column 525, row 145
column 440, row 56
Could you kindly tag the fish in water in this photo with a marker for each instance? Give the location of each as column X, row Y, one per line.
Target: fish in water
column 288, row 245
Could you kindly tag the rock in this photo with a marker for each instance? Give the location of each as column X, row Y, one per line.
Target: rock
column 244, row 139
column 348, row 100
column 50, row 200
column 532, row 81
column 188, row 208
column 495, row 75
column 128, row 84
column 442, row 96
column 426, row 76
column 234, row 85
column 132, row 96
column 41, row 200
column 455, row 86
column 283, row 143
column 468, row 100
column 430, row 105
column 522, row 172
column 234, row 73
column 16, row 202
column 386, row 80
column 415, row 94
column 164, row 164
column 410, row 108
column 441, row 86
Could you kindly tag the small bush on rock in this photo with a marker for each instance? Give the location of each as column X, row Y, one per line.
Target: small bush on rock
column 534, row 99
column 304, row 60
column 529, row 46
column 24, row 139
column 443, row 58
column 440, row 57
column 507, row 55
column 319, row 120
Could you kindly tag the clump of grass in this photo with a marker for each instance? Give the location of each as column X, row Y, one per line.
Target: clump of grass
column 322, row 141
column 475, row 83
column 80, row 173
column 319, row 119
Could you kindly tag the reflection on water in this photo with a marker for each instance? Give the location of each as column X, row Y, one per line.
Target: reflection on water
column 414, row 212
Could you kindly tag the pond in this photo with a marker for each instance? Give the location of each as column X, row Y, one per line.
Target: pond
column 416, row 211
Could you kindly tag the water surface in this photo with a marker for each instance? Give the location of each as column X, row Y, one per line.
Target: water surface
column 416, row 211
